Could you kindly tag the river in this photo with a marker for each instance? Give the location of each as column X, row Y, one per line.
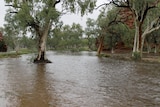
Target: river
column 78, row 80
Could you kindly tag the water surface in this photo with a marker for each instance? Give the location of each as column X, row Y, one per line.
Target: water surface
column 78, row 80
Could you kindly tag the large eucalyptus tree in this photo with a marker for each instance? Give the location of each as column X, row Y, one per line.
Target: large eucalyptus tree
column 41, row 16
column 140, row 10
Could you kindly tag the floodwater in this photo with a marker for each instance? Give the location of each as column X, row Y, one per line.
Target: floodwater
column 78, row 80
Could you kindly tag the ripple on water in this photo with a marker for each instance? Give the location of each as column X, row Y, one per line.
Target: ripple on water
column 78, row 80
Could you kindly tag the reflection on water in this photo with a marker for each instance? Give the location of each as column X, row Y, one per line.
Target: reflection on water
column 78, row 80
column 27, row 85
column 38, row 95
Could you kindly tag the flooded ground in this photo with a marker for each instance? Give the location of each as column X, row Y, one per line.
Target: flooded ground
column 78, row 80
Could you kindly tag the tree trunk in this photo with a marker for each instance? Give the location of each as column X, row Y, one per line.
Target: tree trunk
column 41, row 57
column 137, row 40
column 148, row 47
column 142, row 45
column 155, row 49
column 100, row 47
column 112, row 50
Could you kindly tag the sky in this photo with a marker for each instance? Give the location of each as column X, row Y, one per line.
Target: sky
column 2, row 12
column 67, row 19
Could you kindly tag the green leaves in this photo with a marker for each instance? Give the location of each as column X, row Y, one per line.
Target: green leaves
column 82, row 6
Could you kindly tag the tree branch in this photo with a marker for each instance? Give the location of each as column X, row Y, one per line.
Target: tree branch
column 122, row 5
column 57, row 1
column 12, row 6
column 13, row 12
column 155, row 25
column 34, row 25
column 103, row 5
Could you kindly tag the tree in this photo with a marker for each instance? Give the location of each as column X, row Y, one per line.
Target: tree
column 69, row 37
column 103, row 25
column 140, row 10
column 12, row 32
column 42, row 15
column 91, row 32
column 152, row 41
column 107, row 24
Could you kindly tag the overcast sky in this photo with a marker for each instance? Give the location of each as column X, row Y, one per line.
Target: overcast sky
column 67, row 19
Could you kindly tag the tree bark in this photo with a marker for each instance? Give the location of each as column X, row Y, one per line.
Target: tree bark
column 155, row 49
column 138, row 40
column 41, row 57
column 142, row 45
column 100, row 47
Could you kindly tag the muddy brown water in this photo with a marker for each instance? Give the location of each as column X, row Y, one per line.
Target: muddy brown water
column 78, row 80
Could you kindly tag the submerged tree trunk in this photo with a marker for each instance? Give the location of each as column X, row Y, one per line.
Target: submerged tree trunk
column 41, row 57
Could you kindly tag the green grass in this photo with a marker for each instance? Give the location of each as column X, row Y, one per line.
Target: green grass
column 15, row 54
column 8, row 55
column 103, row 55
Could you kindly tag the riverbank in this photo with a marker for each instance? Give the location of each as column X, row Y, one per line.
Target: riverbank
column 121, row 55
column 147, row 57
column 14, row 54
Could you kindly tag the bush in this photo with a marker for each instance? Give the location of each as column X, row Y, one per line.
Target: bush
column 136, row 56
column 3, row 46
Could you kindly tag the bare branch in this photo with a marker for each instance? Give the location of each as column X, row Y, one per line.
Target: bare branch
column 155, row 25
column 9, row 5
column 125, row 5
column 13, row 12
column 103, row 5
column 12, row 6
column 57, row 1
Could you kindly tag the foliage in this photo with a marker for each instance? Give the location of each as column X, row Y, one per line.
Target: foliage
column 136, row 56
column 91, row 32
column 114, row 30
column 67, row 38
column 142, row 13
column 14, row 54
column 41, row 16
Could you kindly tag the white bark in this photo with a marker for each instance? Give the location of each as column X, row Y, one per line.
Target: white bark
column 155, row 25
column 155, row 49
column 148, row 48
column 136, row 38
column 42, row 42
